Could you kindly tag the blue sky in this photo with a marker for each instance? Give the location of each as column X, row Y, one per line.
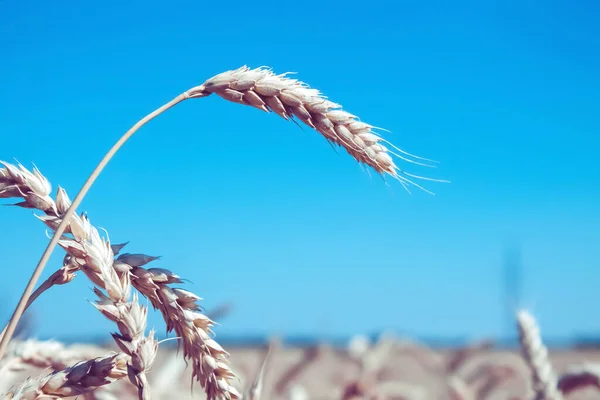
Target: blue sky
column 257, row 212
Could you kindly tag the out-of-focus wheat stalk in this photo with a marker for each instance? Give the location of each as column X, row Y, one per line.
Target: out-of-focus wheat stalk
column 309, row 357
column 491, row 379
column 170, row 372
column 457, row 389
column 42, row 354
column 259, row 88
column 219, row 312
column 373, row 361
column 534, row 352
column 460, row 356
column 426, row 357
column 255, row 392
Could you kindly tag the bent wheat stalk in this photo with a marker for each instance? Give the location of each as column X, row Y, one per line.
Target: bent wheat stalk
column 262, row 89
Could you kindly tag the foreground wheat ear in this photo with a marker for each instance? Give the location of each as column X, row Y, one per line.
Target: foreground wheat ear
column 263, row 89
column 290, row 98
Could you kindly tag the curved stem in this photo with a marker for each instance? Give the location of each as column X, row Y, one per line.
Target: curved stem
column 61, row 228
column 47, row 284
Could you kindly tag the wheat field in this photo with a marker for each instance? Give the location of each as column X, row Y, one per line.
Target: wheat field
column 387, row 368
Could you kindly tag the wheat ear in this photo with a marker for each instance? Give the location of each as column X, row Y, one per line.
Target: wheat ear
column 94, row 255
column 210, row 365
column 81, row 378
column 129, row 316
column 289, row 98
column 265, row 90
column 536, row 356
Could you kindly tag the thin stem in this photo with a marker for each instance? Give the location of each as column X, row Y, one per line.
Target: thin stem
column 47, row 284
column 66, row 218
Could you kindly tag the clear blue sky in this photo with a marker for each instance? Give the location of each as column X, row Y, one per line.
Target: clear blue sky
column 256, row 211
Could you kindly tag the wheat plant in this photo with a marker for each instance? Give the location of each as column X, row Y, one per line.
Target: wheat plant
column 88, row 252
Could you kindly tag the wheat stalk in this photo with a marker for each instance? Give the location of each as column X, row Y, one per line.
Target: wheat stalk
column 262, row 89
column 536, row 356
